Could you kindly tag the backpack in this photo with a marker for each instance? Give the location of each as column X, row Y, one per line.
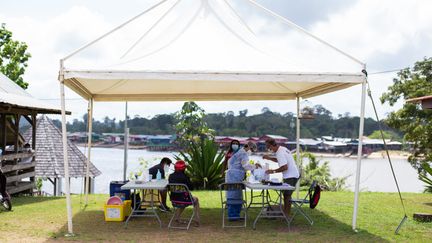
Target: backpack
column 315, row 196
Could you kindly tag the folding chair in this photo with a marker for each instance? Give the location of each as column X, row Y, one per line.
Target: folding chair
column 298, row 203
column 180, row 197
column 225, row 187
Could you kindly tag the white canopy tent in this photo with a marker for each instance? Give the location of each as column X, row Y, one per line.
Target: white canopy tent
column 182, row 50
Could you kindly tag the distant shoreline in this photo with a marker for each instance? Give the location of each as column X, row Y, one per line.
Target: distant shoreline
column 394, row 154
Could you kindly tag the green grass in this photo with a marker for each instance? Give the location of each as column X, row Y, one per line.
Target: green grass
column 44, row 219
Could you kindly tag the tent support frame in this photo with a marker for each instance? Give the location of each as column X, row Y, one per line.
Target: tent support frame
column 359, row 153
column 89, row 145
column 65, row 151
column 298, row 145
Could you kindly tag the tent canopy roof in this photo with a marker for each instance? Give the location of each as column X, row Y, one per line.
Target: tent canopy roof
column 208, row 50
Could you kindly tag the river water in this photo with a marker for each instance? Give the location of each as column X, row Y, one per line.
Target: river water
column 375, row 173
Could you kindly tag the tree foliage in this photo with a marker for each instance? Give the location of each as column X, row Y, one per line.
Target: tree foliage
column 190, row 126
column 411, row 119
column 313, row 170
column 387, row 135
column 13, row 57
column 230, row 124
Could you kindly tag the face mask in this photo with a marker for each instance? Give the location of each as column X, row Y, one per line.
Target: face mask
column 166, row 168
column 235, row 147
column 270, row 150
column 249, row 152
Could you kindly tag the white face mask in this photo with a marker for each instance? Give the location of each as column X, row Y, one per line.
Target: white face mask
column 166, row 168
column 249, row 152
column 235, row 147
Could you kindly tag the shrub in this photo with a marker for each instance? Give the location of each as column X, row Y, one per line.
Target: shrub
column 321, row 173
column 204, row 164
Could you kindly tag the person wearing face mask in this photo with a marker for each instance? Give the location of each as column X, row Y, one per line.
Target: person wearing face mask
column 161, row 167
column 233, row 148
column 287, row 167
column 237, row 166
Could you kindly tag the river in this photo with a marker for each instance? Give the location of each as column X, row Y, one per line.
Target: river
column 375, row 173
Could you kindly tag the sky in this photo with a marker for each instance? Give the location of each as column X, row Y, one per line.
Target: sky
column 386, row 35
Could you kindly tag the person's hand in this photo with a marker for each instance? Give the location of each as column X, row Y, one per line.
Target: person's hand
column 266, row 156
column 269, row 171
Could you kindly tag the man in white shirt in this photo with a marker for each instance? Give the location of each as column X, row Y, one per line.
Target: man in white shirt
column 287, row 166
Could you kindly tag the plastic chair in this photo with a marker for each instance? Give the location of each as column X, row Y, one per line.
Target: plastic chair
column 224, row 187
column 298, row 203
column 180, row 197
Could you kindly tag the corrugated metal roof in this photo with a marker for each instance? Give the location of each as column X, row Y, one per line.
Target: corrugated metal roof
column 14, row 95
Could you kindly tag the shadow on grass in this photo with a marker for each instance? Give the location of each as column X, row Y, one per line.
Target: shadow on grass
column 428, row 204
column 90, row 226
column 23, row 200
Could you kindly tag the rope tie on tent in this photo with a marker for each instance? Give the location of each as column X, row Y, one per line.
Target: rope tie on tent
column 388, row 155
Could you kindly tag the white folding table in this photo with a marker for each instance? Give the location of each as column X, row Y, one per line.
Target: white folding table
column 265, row 203
column 136, row 210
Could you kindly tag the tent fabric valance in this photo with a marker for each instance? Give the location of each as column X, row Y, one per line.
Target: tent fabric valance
column 183, row 86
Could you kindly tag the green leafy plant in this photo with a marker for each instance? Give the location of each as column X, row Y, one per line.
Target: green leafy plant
column 13, row 57
column 204, row 164
column 191, row 127
column 321, row 173
column 423, row 176
column 137, row 172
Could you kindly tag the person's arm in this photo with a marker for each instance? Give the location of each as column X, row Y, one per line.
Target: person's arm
column 280, row 169
column 268, row 157
column 225, row 164
column 283, row 164
column 188, row 183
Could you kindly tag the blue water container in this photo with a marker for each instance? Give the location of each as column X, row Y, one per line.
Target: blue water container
column 115, row 190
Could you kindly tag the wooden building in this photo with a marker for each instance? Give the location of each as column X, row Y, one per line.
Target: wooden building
column 17, row 161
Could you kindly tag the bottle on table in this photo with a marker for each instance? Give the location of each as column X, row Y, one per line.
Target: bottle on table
column 158, row 175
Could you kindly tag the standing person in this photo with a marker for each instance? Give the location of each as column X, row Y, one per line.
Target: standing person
column 233, row 148
column 237, row 166
column 161, row 168
column 179, row 176
column 288, row 168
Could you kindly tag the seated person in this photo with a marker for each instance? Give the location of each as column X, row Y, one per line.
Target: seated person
column 161, row 167
column 179, row 176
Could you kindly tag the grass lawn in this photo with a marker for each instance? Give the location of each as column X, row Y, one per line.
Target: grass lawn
column 44, row 219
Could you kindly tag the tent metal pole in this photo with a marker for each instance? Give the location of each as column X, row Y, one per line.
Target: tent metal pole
column 298, row 144
column 126, row 142
column 89, row 145
column 113, row 30
column 359, row 155
column 65, row 150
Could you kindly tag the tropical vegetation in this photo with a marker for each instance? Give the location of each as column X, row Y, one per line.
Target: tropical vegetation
column 204, row 164
column 13, row 57
column 411, row 119
column 312, row 170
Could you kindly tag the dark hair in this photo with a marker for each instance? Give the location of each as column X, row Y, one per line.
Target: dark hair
column 230, row 146
column 271, row 142
column 166, row 161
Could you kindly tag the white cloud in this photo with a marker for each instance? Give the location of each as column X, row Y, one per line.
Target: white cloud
column 364, row 30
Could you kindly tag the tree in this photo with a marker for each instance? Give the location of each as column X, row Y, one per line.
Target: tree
column 13, row 57
column 387, row 135
column 191, row 127
column 412, row 119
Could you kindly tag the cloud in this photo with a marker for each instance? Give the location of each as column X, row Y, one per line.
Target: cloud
column 385, row 34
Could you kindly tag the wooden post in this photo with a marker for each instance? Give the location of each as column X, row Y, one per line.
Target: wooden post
column 55, row 187
column 3, row 133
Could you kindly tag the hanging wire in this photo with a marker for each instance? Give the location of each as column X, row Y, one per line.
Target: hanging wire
column 388, row 155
